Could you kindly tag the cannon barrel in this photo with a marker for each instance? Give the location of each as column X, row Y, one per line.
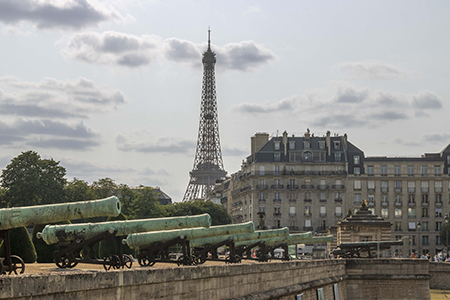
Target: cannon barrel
column 385, row 244
column 144, row 239
column 53, row 213
column 297, row 238
column 63, row 233
column 262, row 234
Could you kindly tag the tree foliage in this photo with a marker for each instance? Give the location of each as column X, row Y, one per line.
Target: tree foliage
column 218, row 213
column 30, row 180
column 445, row 231
column 21, row 245
column 105, row 247
column 78, row 190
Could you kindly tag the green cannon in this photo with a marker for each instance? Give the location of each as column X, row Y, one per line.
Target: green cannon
column 53, row 213
column 63, row 233
column 76, row 242
column 43, row 214
column 144, row 239
column 257, row 235
column 291, row 239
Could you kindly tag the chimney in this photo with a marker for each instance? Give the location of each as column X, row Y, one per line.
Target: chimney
column 328, row 142
column 345, row 141
column 307, row 134
column 258, row 141
column 285, row 140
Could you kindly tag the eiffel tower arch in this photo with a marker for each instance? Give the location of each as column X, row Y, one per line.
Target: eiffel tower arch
column 208, row 164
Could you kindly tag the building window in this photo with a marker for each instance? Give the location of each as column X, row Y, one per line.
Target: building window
column 398, row 212
column 306, row 145
column 357, row 170
column 437, row 170
column 424, row 170
column 307, row 223
column 438, row 198
column 261, row 171
column 292, row 145
column 425, row 212
column 370, row 170
column 322, row 145
column 338, row 196
column 323, row 211
column 411, row 187
column 397, row 171
column 307, row 210
column 410, row 170
column 438, row 186
column 425, row 240
column 424, row 185
column 277, row 145
column 307, row 156
column 371, row 185
column 438, row 226
column 262, row 209
column 357, row 185
column 438, row 240
column 438, row 213
column 292, row 211
column 371, row 199
column 384, row 186
column 357, row 200
column 262, row 197
column 276, row 210
column 398, row 226
column 277, row 156
column 448, row 159
column 276, row 196
column 277, row 183
column 337, row 145
column 411, row 199
column 398, row 186
column 338, row 211
column 356, row 159
column 337, row 156
column 425, row 199
column 412, row 225
column 384, row 199
column 383, row 170
column 411, row 212
column 276, row 170
column 323, row 196
column 385, row 213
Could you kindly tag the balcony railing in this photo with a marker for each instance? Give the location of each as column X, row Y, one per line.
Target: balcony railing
column 292, row 186
column 307, row 186
column 338, row 200
column 411, row 190
column 322, row 187
column 307, row 200
column 276, row 200
column 371, row 203
column 292, row 214
column 425, row 203
column 322, row 229
column 338, row 187
column 277, row 186
column 425, row 189
column 322, row 214
column 411, row 203
column 398, row 203
column 384, row 189
column 323, row 200
column 384, row 203
column 438, row 190
column 292, row 200
column 438, row 204
column 294, row 228
column 338, row 214
column 277, row 214
column 261, row 186
column 398, row 189
column 307, row 214
column 308, row 228
column 262, row 200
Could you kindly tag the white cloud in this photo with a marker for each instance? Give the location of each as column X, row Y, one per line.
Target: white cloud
column 132, row 51
column 62, row 14
column 376, row 70
column 348, row 106
column 161, row 145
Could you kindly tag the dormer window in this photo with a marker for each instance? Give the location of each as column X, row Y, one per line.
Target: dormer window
column 356, row 159
column 337, row 145
column 277, row 145
column 307, row 156
column 306, row 145
column 322, row 145
column 291, row 145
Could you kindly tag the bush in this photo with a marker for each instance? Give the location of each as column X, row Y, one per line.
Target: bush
column 105, row 247
column 44, row 252
column 21, row 245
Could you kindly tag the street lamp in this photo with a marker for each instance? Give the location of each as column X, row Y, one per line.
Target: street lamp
column 446, row 229
column 419, row 225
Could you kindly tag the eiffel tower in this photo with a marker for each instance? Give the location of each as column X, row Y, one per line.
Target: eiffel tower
column 208, row 164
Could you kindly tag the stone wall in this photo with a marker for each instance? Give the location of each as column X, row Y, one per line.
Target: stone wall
column 439, row 276
column 355, row 279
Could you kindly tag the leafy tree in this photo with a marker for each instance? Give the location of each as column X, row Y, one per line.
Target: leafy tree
column 105, row 247
column 3, row 202
column 146, row 205
column 104, row 188
column 21, row 245
column 30, row 180
column 78, row 190
column 218, row 213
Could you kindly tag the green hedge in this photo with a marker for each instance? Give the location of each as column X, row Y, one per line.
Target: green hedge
column 21, row 245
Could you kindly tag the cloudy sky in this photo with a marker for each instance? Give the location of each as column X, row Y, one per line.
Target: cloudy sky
column 113, row 88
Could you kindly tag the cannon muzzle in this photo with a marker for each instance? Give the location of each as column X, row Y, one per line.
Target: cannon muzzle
column 53, row 213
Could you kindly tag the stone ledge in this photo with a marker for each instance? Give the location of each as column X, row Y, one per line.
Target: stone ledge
column 293, row 289
column 389, row 277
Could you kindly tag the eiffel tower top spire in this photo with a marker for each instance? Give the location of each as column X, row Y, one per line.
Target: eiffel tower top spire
column 208, row 164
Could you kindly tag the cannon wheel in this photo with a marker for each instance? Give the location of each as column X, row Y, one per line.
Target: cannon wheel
column 233, row 260
column 65, row 261
column 16, row 264
column 184, row 260
column 127, row 261
column 111, row 261
column 147, row 261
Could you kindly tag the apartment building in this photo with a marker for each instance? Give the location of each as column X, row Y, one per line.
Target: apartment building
column 309, row 183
